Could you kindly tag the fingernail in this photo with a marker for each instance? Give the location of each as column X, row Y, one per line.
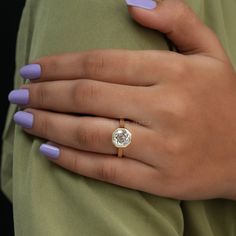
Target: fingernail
column 19, row 96
column 31, row 71
column 146, row 4
column 24, row 119
column 50, row 151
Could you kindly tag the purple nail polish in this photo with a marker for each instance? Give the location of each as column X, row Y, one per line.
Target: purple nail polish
column 19, row 96
column 24, row 119
column 31, row 71
column 50, row 151
column 146, row 4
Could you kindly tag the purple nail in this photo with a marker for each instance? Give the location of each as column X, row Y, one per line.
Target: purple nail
column 31, row 71
column 24, row 119
column 50, row 151
column 146, row 4
column 19, row 96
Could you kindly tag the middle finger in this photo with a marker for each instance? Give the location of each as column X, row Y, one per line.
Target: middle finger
column 86, row 97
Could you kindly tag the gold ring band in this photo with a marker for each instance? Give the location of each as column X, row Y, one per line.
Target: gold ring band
column 120, row 152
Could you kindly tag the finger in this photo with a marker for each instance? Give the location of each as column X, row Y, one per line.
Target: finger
column 120, row 171
column 88, row 97
column 181, row 25
column 113, row 66
column 92, row 134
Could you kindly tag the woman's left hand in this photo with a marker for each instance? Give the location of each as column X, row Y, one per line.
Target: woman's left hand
column 179, row 107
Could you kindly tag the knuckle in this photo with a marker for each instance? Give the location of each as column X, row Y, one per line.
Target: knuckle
column 180, row 106
column 85, row 139
column 180, row 68
column 177, row 106
column 107, row 172
column 83, row 92
column 73, row 163
column 183, row 12
column 175, row 146
column 43, row 126
column 94, row 63
column 40, row 94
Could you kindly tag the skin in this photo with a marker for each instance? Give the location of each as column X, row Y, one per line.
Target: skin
column 179, row 107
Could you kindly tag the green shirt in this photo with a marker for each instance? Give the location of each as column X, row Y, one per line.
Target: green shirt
column 48, row 200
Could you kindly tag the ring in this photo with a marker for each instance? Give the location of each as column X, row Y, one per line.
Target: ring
column 121, row 138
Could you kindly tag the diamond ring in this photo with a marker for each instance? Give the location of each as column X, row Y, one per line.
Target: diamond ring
column 121, row 138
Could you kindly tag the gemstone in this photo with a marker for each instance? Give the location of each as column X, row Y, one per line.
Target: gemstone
column 121, row 138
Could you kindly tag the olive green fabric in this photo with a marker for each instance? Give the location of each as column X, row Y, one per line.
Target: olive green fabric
column 49, row 200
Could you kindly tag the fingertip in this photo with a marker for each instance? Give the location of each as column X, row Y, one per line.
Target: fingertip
column 144, row 4
column 49, row 150
column 19, row 96
column 145, row 16
column 24, row 119
column 31, row 71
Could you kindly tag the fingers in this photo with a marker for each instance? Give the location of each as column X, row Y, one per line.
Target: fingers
column 113, row 66
column 92, row 134
column 120, row 171
column 84, row 96
column 175, row 19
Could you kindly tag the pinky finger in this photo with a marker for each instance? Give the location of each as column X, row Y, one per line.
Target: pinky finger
column 125, row 172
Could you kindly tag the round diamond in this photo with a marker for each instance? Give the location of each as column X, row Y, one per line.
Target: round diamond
column 121, row 138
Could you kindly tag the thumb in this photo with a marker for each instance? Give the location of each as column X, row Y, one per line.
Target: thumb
column 180, row 24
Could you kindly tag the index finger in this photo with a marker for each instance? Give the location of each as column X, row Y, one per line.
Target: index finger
column 138, row 68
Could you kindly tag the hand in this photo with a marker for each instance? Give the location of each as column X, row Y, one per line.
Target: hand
column 179, row 108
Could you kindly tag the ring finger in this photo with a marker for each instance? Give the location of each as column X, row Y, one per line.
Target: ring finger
column 86, row 133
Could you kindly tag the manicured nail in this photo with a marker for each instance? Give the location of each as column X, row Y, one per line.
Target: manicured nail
column 24, row 119
column 146, row 4
column 31, row 71
column 19, row 96
column 50, row 151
